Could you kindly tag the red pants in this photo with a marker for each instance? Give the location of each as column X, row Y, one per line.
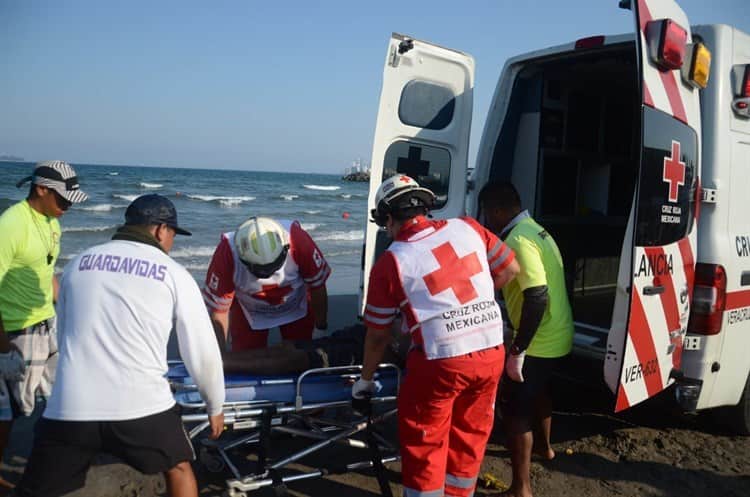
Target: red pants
column 445, row 416
column 244, row 337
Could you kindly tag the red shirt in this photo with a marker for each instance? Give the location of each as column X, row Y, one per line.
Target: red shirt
column 385, row 293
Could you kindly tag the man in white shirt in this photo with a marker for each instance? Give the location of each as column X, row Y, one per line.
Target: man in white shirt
column 118, row 303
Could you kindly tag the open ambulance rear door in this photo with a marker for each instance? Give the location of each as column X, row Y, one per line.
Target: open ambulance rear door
column 657, row 264
column 422, row 131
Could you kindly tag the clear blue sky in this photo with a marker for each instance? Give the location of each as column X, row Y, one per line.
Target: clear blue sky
column 289, row 86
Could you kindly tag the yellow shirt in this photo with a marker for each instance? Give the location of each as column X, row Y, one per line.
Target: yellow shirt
column 27, row 238
column 541, row 264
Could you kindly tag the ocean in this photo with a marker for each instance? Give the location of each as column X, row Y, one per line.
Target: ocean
column 210, row 202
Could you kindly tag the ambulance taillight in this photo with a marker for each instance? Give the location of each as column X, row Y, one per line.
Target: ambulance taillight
column 709, row 299
column 741, row 102
column 667, row 43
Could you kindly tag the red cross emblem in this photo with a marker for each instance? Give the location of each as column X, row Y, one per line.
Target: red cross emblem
column 674, row 171
column 453, row 273
column 273, row 294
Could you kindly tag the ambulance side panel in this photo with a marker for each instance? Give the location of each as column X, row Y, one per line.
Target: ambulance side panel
column 722, row 361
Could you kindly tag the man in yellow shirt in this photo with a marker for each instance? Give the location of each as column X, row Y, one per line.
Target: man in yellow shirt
column 29, row 246
column 539, row 310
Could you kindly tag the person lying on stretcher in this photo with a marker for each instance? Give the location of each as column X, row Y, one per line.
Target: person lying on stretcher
column 343, row 347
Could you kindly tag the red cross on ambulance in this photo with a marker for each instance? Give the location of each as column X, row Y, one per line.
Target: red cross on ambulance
column 674, row 171
column 454, row 273
column 273, row 294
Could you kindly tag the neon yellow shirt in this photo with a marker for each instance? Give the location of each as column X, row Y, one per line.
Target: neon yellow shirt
column 541, row 264
column 28, row 237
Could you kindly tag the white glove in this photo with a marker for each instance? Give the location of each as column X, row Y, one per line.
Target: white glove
column 364, row 389
column 12, row 365
column 319, row 333
column 514, row 366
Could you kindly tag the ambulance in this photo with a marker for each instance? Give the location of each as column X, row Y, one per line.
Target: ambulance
column 633, row 151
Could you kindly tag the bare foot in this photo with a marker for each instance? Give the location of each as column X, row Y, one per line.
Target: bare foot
column 545, row 454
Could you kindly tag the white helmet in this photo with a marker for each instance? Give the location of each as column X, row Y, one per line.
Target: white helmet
column 399, row 192
column 262, row 245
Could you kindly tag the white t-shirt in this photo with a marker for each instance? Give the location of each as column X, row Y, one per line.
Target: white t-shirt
column 117, row 305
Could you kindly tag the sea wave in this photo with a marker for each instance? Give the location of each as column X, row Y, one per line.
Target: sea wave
column 346, row 195
column 339, row 253
column 289, row 197
column 222, row 200
column 97, row 207
column 352, row 235
column 87, row 229
column 321, row 187
column 114, row 173
column 192, row 252
column 152, row 186
column 310, row 226
column 129, row 198
column 312, row 213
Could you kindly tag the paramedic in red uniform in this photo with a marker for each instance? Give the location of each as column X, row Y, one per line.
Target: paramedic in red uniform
column 441, row 277
column 268, row 273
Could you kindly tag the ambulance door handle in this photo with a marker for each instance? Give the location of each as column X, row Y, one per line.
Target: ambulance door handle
column 653, row 290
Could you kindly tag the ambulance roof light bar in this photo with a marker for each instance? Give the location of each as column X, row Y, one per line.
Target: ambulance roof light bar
column 741, row 102
column 667, row 43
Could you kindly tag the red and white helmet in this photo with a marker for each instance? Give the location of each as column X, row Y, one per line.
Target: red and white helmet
column 399, row 192
column 262, row 245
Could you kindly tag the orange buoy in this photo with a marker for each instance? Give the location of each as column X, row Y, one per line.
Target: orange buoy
column 345, row 215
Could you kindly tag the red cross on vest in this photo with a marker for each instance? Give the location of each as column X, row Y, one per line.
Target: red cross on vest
column 273, row 294
column 453, row 273
column 674, row 171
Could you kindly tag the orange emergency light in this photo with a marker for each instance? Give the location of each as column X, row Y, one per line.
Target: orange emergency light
column 667, row 43
column 696, row 72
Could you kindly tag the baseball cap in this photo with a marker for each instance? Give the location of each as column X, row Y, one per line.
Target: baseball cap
column 153, row 209
column 59, row 176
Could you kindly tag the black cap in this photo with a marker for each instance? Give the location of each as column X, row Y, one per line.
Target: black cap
column 153, row 209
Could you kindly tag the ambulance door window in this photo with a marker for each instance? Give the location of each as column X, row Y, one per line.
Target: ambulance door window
column 426, row 105
column 430, row 166
column 667, row 182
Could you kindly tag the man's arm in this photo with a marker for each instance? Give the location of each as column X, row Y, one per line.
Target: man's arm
column 376, row 342
column 319, row 303
column 532, row 311
column 220, row 322
column 506, row 274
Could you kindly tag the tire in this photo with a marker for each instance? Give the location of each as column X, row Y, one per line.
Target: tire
column 738, row 417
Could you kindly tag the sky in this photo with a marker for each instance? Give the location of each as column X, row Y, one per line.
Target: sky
column 275, row 86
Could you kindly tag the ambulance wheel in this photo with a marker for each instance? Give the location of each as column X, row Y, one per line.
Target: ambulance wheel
column 211, row 461
column 739, row 416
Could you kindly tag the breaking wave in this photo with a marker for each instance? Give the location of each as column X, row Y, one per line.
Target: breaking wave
column 190, row 252
column 129, row 198
column 289, row 197
column 352, row 235
column 152, row 186
column 322, row 187
column 97, row 207
column 87, row 229
column 225, row 201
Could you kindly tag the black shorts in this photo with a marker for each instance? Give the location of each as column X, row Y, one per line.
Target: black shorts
column 64, row 450
column 517, row 399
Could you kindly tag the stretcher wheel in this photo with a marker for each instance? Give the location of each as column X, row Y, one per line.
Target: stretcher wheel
column 212, row 462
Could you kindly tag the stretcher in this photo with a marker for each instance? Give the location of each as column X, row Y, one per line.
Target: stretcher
column 314, row 405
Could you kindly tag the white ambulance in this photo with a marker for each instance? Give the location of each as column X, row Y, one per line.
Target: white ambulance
column 633, row 151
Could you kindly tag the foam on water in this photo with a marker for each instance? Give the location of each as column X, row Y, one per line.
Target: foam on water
column 352, row 235
column 85, row 229
column 190, row 252
column 152, row 186
column 96, row 207
column 310, row 226
column 226, row 201
column 129, row 198
column 289, row 197
column 322, row 187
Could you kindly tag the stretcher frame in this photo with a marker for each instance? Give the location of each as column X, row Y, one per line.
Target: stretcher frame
column 254, row 421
